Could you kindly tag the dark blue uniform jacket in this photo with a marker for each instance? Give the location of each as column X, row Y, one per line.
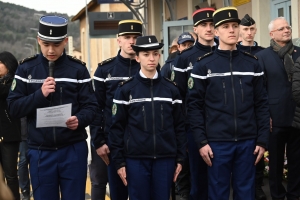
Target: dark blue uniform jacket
column 106, row 79
column 147, row 121
column 73, row 85
column 282, row 105
column 227, row 99
column 250, row 49
column 183, row 64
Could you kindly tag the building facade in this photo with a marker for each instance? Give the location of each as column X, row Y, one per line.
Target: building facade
column 168, row 18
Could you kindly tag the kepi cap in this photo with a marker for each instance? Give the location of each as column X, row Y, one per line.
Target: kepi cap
column 131, row 26
column 247, row 21
column 203, row 15
column 224, row 15
column 186, row 36
column 144, row 43
column 53, row 28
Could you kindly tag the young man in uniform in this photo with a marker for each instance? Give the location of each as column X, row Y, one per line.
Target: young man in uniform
column 228, row 112
column 277, row 62
column 106, row 79
column 147, row 135
column 183, row 64
column 57, row 155
column 247, row 32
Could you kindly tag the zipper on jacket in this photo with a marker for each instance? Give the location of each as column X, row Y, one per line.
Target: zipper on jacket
column 7, row 115
column 234, row 100
column 153, row 118
column 225, row 95
column 145, row 119
column 162, row 116
column 61, row 95
column 242, row 91
column 129, row 69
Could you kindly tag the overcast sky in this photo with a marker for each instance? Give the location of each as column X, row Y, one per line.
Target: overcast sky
column 71, row 7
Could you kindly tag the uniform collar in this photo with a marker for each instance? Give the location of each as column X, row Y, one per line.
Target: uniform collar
column 57, row 62
column 227, row 53
column 126, row 61
column 143, row 75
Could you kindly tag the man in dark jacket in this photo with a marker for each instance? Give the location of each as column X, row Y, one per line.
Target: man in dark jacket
column 106, row 79
column 277, row 62
column 147, row 134
column 228, row 112
column 57, row 155
column 183, row 64
column 247, row 33
column 10, row 127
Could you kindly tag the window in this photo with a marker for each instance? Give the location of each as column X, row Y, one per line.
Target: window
column 282, row 8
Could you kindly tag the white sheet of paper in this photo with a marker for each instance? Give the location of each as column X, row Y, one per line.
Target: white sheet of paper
column 55, row 116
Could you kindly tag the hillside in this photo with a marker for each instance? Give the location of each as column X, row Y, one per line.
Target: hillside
column 15, row 24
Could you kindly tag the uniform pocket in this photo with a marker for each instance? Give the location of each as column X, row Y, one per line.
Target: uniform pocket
column 145, row 118
column 242, row 90
column 224, row 91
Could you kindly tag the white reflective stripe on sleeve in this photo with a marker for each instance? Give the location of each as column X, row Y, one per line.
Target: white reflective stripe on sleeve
column 176, row 101
column 22, row 79
column 197, row 76
column 99, row 79
column 179, row 70
column 259, row 74
column 120, row 102
column 189, row 68
column 116, row 79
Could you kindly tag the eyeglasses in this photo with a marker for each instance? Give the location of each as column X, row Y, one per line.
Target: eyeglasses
column 289, row 28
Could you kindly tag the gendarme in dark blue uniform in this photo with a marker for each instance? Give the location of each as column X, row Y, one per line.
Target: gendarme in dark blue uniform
column 57, row 155
column 228, row 112
column 183, row 64
column 147, row 135
column 106, row 79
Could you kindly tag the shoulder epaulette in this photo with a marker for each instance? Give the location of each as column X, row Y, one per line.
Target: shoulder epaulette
column 205, row 55
column 76, row 60
column 107, row 61
column 184, row 50
column 126, row 81
column 249, row 54
column 27, row 59
column 170, row 81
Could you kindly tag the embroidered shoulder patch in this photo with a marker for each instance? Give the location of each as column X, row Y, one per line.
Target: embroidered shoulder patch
column 76, row 60
column 107, row 61
column 172, row 75
column 205, row 55
column 114, row 109
column 191, row 83
column 13, row 85
column 27, row 59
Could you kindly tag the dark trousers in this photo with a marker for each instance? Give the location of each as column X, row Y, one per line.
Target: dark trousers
column 61, row 173
column 150, row 179
column 23, row 170
column 98, row 176
column 183, row 182
column 9, row 161
column 117, row 189
column 282, row 138
column 232, row 161
column 198, row 170
column 259, row 173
